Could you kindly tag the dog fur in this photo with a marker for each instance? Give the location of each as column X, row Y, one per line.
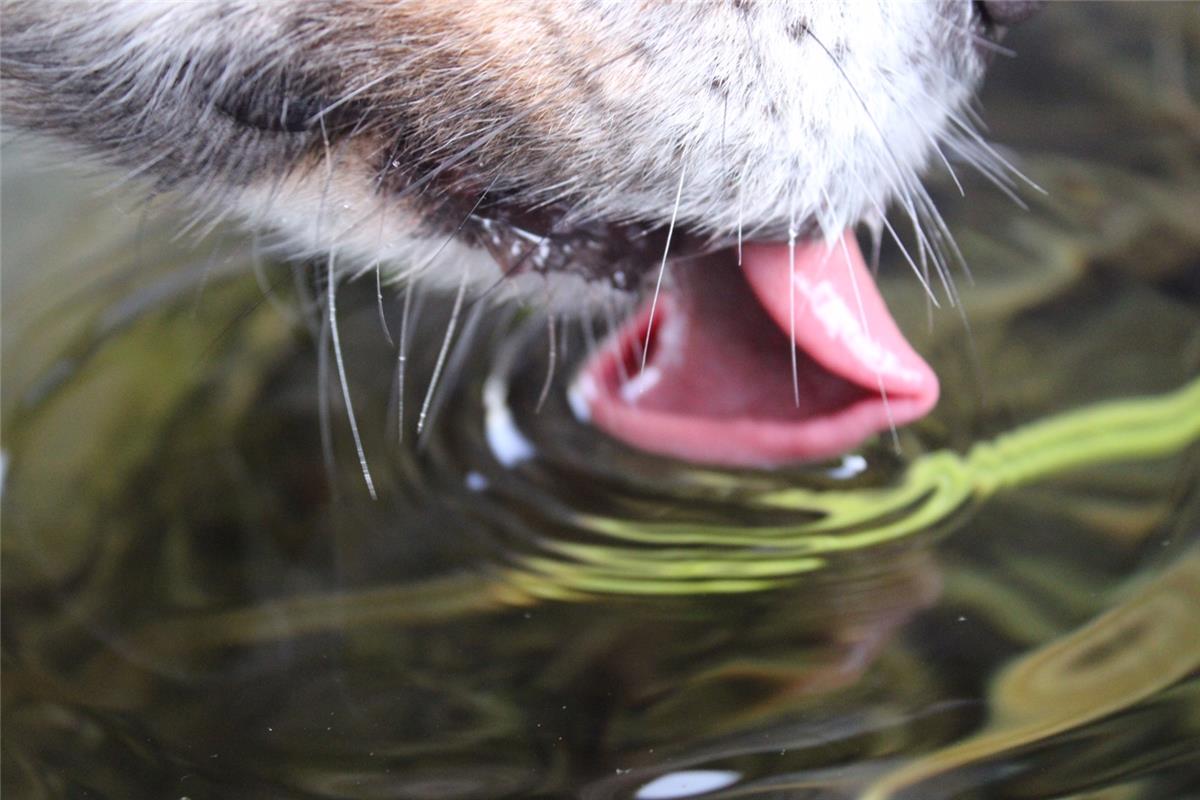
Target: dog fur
column 563, row 137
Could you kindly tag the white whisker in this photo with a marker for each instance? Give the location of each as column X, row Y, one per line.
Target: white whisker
column 551, row 363
column 473, row 316
column 387, row 333
column 331, row 300
column 446, row 340
column 662, row 268
column 325, row 404
column 613, row 328
column 406, row 314
column 862, row 317
column 792, row 311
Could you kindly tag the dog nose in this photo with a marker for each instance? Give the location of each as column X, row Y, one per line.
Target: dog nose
column 1008, row 12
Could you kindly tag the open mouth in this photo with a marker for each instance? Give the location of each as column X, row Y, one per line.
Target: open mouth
column 790, row 355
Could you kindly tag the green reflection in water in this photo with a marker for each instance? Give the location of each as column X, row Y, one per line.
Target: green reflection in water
column 700, row 559
column 1122, row 657
column 727, row 559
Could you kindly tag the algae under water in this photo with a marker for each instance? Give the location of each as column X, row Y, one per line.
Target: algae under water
column 201, row 601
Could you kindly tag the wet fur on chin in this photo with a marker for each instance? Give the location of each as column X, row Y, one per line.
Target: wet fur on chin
column 375, row 128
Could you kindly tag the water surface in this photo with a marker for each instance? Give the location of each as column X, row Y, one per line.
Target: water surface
column 201, row 600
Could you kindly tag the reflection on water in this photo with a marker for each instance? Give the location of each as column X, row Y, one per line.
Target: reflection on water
column 199, row 603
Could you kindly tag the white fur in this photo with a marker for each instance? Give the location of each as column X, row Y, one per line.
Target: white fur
column 792, row 136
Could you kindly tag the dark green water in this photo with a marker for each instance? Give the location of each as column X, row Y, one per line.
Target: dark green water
column 198, row 603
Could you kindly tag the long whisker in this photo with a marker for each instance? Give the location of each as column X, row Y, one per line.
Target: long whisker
column 792, row 310
column 902, row 187
column 473, row 316
column 402, row 358
column 922, row 276
column 550, row 366
column 325, row 405
column 985, row 147
column 331, row 301
column 446, row 340
column 387, row 333
column 611, row 327
column 862, row 317
column 662, row 268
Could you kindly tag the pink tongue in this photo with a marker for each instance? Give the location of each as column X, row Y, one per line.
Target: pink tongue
column 718, row 384
column 840, row 319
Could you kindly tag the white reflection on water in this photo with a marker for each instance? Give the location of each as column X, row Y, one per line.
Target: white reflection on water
column 687, row 783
